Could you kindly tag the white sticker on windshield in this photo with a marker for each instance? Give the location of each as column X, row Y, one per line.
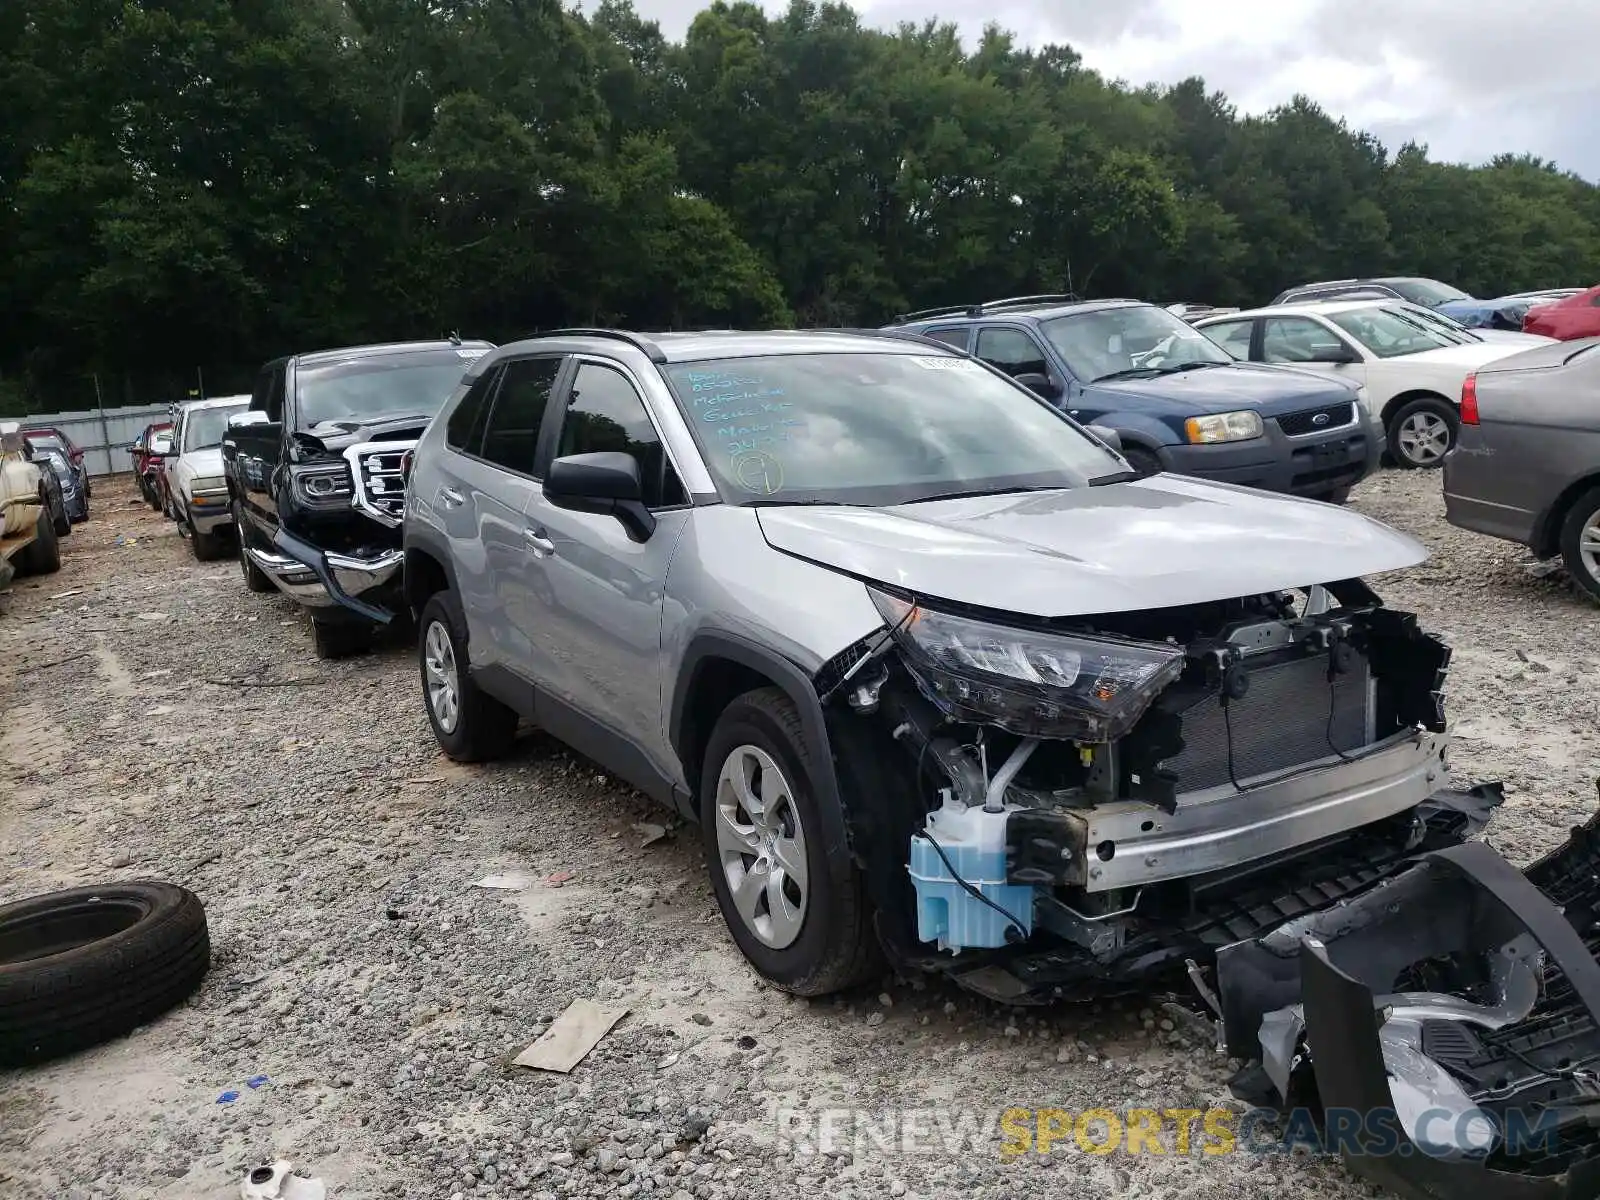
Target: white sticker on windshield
column 470, row 355
column 946, row 364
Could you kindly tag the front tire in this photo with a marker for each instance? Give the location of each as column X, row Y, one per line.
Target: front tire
column 797, row 909
column 1422, row 432
column 339, row 639
column 43, row 555
column 1580, row 542
column 255, row 579
column 1144, row 462
column 206, row 547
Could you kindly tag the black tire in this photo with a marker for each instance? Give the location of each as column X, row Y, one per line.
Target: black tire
column 1144, row 462
column 43, row 555
column 255, row 579
column 1584, row 510
column 484, row 727
column 84, row 965
column 148, row 489
column 62, row 522
column 206, row 547
column 1431, row 406
column 1337, row 496
column 338, row 638
column 837, row 945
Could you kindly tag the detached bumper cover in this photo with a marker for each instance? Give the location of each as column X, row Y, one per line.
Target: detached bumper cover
column 1533, row 1081
column 324, row 579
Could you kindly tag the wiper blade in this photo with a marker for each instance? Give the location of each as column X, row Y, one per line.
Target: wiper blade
column 1114, row 477
column 1126, row 373
column 1174, row 368
column 998, row 491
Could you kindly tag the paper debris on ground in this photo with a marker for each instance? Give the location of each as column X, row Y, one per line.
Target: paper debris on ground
column 571, row 1036
column 511, row 881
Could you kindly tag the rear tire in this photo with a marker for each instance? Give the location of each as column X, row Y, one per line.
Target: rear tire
column 836, row 945
column 469, row 724
column 43, row 555
column 339, row 639
column 1422, row 432
column 81, row 966
column 1580, row 542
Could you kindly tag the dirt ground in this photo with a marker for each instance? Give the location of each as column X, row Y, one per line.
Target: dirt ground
column 162, row 722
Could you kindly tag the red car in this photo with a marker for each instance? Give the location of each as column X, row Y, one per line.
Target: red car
column 149, row 452
column 1575, row 317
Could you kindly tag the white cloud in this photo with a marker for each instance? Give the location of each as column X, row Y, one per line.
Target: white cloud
column 1471, row 78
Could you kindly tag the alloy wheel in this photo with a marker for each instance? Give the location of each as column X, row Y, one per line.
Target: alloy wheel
column 439, row 661
column 761, row 846
column 1424, row 438
column 1589, row 544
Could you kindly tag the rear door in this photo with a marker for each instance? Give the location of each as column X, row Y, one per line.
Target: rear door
column 488, row 481
column 602, row 627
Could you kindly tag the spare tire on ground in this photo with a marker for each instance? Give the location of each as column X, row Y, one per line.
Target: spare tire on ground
column 81, row 966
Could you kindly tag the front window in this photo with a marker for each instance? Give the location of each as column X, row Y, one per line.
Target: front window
column 204, row 427
column 1426, row 291
column 1389, row 332
column 1232, row 336
column 380, row 385
column 1128, row 342
column 876, row 428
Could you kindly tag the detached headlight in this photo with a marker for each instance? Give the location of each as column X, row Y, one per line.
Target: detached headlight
column 322, row 485
column 1085, row 687
column 1224, row 427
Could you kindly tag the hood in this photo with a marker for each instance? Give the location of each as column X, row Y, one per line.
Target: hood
column 336, row 436
column 1155, row 543
column 1513, row 339
column 204, row 462
column 1270, row 390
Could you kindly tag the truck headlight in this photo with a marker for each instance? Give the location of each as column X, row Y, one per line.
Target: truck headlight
column 322, row 485
column 1085, row 687
column 1224, row 427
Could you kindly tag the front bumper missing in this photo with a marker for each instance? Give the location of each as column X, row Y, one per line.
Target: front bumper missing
column 1535, row 1080
column 1220, row 828
column 324, row 579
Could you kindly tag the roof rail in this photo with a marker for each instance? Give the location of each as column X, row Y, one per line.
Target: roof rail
column 978, row 310
column 650, row 349
column 899, row 335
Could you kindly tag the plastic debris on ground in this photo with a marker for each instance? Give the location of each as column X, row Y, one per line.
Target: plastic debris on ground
column 511, row 881
column 277, row 1182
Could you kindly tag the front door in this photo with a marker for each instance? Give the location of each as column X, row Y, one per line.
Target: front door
column 602, row 630
column 256, row 446
column 1307, row 344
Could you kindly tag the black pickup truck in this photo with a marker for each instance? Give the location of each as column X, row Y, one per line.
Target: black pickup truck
column 314, row 470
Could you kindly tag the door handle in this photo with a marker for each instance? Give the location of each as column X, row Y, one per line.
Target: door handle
column 538, row 543
column 451, row 498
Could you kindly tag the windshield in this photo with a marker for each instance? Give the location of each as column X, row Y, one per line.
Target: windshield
column 1390, row 332
column 876, row 428
column 205, row 426
column 1426, row 291
column 381, row 384
column 1136, row 339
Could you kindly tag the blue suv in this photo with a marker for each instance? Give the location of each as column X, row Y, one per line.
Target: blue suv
column 1179, row 402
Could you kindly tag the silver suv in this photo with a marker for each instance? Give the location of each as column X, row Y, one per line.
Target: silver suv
column 932, row 670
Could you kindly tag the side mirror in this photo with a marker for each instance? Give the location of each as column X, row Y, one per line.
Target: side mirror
column 1039, row 385
column 1334, row 352
column 250, row 418
column 605, row 482
column 1106, row 434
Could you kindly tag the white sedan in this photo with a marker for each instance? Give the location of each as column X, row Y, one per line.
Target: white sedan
column 1413, row 369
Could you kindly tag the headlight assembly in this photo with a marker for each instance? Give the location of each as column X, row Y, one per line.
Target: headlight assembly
column 1224, row 427
column 322, row 485
column 1078, row 686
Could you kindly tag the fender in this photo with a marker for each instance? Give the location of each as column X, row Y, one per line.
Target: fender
column 1136, row 429
column 795, row 684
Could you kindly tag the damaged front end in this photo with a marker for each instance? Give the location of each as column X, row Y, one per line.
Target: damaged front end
column 1081, row 805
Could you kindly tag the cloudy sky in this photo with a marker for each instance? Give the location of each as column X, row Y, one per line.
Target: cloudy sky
column 1471, row 78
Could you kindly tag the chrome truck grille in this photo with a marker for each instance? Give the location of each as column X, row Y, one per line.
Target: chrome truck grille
column 1291, row 715
column 380, row 490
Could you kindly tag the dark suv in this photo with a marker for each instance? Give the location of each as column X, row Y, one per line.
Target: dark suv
column 314, row 475
column 1178, row 401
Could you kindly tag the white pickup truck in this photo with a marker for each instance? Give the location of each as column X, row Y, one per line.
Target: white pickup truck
column 27, row 535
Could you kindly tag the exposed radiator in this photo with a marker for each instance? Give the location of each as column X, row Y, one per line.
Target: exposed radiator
column 1282, row 722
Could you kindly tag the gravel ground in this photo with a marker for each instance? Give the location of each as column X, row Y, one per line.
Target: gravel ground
column 357, row 966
